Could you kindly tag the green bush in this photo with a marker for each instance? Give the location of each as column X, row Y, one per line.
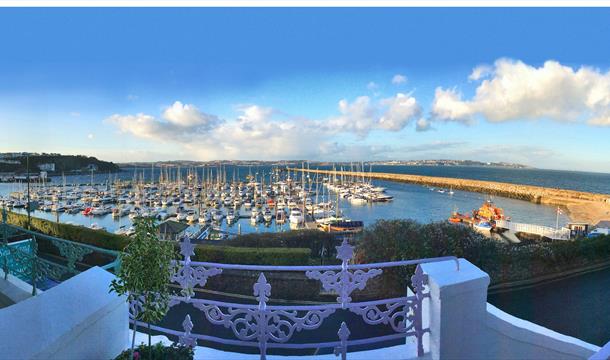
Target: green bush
column 252, row 256
column 159, row 352
column 314, row 240
column 392, row 240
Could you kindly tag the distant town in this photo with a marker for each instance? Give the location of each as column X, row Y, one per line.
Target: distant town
column 299, row 163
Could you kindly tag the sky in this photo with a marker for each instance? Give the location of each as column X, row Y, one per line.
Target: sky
column 529, row 86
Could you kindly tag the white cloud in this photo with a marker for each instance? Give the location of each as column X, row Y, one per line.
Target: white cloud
column 132, row 97
column 90, row 136
column 75, row 114
column 480, row 72
column 179, row 122
column 358, row 117
column 257, row 133
column 401, row 110
column 448, row 105
column 517, row 91
column 363, row 115
column 399, row 79
column 372, row 86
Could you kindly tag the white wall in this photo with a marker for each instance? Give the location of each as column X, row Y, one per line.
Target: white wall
column 77, row 319
column 464, row 326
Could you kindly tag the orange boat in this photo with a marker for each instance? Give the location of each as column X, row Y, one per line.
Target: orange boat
column 490, row 212
column 457, row 218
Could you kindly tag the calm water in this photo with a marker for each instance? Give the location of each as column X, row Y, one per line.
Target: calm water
column 410, row 201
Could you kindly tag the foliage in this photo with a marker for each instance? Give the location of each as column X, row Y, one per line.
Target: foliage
column 392, row 240
column 63, row 163
column 145, row 273
column 251, row 256
column 159, row 352
column 315, row 240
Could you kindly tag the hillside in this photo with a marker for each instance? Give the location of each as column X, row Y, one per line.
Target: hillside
column 56, row 164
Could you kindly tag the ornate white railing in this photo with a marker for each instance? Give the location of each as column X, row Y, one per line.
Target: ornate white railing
column 272, row 326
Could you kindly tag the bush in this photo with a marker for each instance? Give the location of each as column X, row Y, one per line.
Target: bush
column 252, row 256
column 314, row 240
column 159, row 352
column 393, row 240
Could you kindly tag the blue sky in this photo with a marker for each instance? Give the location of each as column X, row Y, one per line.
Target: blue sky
column 158, row 84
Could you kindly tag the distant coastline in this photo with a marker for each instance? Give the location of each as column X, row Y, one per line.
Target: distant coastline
column 300, row 163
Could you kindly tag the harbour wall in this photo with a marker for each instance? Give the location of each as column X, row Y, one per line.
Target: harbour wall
column 569, row 199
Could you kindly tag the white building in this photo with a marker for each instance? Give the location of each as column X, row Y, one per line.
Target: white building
column 47, row 167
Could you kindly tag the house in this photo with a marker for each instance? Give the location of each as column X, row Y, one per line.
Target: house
column 47, row 167
column 171, row 230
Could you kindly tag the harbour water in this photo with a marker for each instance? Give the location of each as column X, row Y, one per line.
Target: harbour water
column 410, row 201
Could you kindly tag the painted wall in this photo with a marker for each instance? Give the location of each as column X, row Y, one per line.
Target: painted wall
column 77, row 319
column 464, row 326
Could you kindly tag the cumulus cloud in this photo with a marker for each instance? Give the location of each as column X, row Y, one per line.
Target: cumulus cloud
column 399, row 79
column 179, row 122
column 372, row 86
column 364, row 115
column 401, row 110
column 259, row 132
column 514, row 90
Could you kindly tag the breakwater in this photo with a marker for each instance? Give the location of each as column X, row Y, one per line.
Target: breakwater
column 581, row 206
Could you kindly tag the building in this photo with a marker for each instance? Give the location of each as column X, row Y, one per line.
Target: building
column 47, row 167
column 171, row 230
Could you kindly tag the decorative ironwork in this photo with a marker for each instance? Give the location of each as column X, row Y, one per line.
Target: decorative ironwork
column 344, row 334
column 261, row 323
column 136, row 306
column 187, row 276
column 419, row 281
column 186, row 339
column 400, row 315
column 343, row 282
column 72, row 252
column 273, row 326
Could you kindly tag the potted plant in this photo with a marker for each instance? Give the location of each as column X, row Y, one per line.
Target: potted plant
column 144, row 277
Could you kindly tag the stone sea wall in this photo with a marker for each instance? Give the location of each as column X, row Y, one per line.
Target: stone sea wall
column 536, row 194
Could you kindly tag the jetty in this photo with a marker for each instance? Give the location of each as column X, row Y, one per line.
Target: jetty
column 581, row 206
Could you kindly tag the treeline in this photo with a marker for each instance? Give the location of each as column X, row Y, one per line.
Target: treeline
column 63, row 163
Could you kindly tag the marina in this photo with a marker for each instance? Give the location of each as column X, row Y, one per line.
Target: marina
column 232, row 200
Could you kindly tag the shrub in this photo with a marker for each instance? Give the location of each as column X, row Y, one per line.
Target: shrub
column 314, row 240
column 159, row 352
column 252, row 256
column 392, row 240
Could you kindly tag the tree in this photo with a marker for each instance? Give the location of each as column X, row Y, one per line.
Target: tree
column 145, row 274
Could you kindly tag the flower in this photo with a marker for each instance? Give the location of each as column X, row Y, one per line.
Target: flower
column 136, row 355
